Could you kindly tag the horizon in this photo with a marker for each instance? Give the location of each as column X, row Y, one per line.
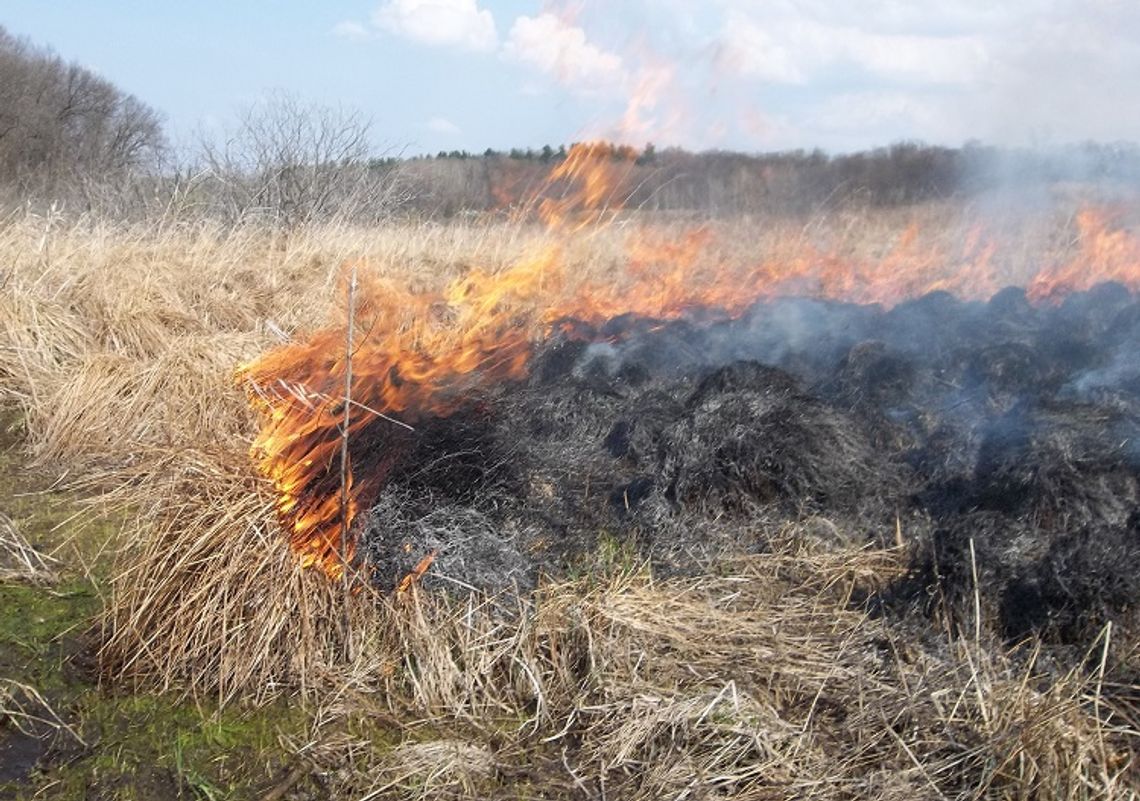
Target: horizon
column 745, row 77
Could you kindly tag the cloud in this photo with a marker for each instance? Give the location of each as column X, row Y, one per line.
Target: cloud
column 796, row 50
column 875, row 117
column 442, row 125
column 1022, row 72
column 940, row 60
column 1065, row 76
column 562, row 51
column 749, row 49
column 805, row 73
column 459, row 23
column 353, row 31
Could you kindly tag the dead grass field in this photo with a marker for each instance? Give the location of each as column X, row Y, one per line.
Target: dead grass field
column 761, row 679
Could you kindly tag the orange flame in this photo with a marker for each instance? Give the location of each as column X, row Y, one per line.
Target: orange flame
column 421, row 354
column 417, row 572
column 593, row 175
column 1106, row 254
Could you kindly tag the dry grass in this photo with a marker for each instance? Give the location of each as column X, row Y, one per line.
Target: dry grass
column 19, row 561
column 617, row 685
column 31, row 713
column 757, row 680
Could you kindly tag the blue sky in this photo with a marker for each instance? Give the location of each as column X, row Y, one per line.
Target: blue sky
column 747, row 74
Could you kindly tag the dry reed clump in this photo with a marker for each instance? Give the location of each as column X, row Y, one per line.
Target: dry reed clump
column 763, row 680
column 120, row 346
column 145, row 326
column 181, row 395
column 759, row 680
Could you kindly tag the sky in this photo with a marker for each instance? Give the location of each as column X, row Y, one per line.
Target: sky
column 753, row 75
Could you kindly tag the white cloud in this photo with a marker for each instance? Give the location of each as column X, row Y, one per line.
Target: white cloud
column 351, row 30
column 797, row 49
column 802, row 73
column 562, row 51
column 442, row 125
column 876, row 117
column 750, row 49
column 946, row 60
column 1022, row 72
column 458, row 23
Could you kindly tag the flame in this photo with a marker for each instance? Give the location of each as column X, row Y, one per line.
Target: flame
column 422, row 354
column 412, row 361
column 1107, row 253
column 417, row 572
column 592, row 175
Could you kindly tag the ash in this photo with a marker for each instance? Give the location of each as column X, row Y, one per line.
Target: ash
column 1000, row 438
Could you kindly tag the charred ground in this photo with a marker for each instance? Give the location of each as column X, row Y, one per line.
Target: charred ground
column 998, row 439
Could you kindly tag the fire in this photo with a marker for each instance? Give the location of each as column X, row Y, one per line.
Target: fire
column 422, row 354
column 410, row 363
column 417, row 572
column 1106, row 254
column 594, row 174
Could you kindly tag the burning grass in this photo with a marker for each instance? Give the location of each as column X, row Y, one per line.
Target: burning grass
column 752, row 677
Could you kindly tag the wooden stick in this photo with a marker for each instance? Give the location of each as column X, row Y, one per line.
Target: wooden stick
column 344, row 469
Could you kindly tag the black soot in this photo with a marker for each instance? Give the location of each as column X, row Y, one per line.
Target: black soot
column 1000, row 437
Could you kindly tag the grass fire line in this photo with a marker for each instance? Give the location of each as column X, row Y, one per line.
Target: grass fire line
column 424, row 355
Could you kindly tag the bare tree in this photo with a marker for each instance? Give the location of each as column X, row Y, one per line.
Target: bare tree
column 64, row 129
column 294, row 162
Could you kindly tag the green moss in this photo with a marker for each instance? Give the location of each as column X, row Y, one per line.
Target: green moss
column 39, row 627
column 52, row 520
column 143, row 746
column 152, row 747
column 35, row 616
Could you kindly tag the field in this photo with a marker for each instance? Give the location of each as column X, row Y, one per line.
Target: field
column 159, row 638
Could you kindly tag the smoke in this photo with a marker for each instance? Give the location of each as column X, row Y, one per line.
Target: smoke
column 818, row 73
column 780, row 332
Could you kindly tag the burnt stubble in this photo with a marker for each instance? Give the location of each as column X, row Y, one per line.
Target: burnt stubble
column 1000, row 437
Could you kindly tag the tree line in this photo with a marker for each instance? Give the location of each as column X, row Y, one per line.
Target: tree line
column 71, row 140
column 792, row 182
column 65, row 129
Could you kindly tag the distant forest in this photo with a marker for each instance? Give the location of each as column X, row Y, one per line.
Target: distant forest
column 717, row 182
column 72, row 142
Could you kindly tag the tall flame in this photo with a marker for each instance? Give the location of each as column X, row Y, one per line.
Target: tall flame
column 422, row 353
